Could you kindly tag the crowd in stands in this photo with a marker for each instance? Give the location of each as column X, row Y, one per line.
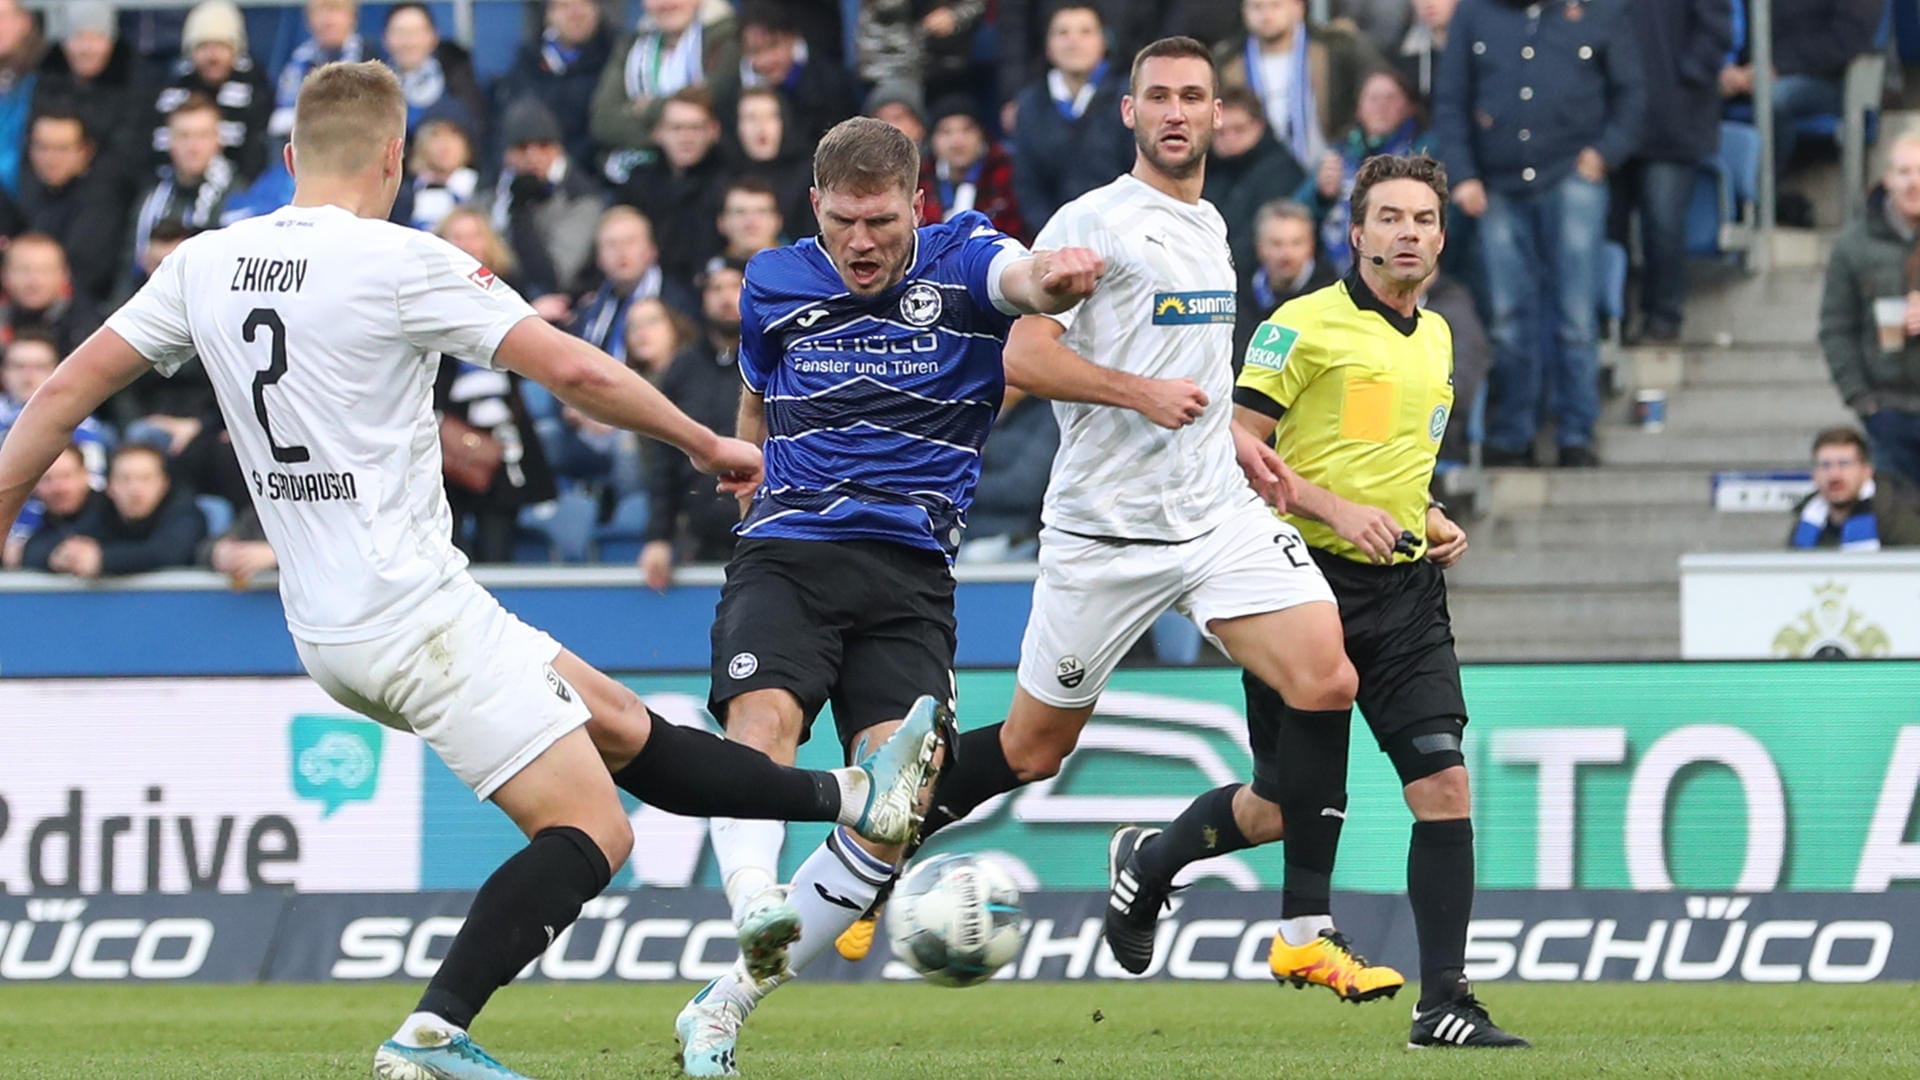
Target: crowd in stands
column 621, row 172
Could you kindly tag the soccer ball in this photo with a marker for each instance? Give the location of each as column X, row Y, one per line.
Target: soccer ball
column 956, row 920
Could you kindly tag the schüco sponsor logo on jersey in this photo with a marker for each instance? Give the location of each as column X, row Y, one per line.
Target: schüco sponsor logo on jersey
column 1193, row 308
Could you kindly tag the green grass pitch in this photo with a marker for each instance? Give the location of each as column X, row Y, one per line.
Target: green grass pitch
column 915, row 1031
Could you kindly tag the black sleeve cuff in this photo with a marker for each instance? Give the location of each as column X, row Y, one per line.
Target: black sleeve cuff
column 1258, row 402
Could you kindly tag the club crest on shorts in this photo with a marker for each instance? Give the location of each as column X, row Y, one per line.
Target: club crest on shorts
column 558, row 685
column 1070, row 671
column 743, row 665
column 921, row 305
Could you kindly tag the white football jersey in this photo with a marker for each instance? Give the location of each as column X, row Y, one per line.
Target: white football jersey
column 320, row 332
column 1164, row 310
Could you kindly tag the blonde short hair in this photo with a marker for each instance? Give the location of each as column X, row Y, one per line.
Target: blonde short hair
column 346, row 116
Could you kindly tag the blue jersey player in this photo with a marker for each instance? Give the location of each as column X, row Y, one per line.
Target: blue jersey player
column 871, row 357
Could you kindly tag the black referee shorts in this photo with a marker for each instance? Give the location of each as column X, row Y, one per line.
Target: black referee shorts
column 864, row 624
column 1399, row 638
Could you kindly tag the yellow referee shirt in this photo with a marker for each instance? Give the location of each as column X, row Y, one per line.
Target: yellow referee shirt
column 1361, row 394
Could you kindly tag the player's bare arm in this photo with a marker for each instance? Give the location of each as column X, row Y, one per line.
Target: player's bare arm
column 1369, row 528
column 1040, row 365
column 1049, row 282
column 608, row 391
column 102, row 365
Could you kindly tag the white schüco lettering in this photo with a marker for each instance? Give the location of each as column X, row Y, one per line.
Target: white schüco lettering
column 871, row 346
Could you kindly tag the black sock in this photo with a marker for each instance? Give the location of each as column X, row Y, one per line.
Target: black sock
column 692, row 773
column 1440, row 889
column 517, row 913
column 977, row 772
column 1204, row 829
column 1313, row 801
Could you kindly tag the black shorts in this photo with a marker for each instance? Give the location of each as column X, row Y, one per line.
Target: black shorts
column 1400, row 640
column 864, row 624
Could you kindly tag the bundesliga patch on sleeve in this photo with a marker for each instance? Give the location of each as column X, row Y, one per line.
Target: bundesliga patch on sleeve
column 1188, row 308
column 1270, row 346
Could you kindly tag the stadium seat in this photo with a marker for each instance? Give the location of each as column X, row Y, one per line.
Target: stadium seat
column 564, row 524
column 1721, row 218
column 1175, row 639
column 217, row 511
column 620, row 539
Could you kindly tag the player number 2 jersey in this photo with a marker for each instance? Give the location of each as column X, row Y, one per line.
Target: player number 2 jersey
column 320, row 332
column 1164, row 310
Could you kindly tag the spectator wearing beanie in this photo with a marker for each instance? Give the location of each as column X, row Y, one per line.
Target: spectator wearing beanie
column 966, row 171
column 900, row 102
column 214, row 64
column 561, row 68
column 91, row 76
column 547, row 209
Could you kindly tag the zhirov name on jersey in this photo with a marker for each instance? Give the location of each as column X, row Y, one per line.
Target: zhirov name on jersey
column 306, row 487
column 268, row 275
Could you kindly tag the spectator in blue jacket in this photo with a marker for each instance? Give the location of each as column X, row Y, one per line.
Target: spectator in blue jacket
column 1067, row 136
column 1682, row 43
column 561, row 68
column 20, row 52
column 1536, row 103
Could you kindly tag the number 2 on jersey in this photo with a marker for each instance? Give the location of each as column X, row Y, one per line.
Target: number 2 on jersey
column 276, row 367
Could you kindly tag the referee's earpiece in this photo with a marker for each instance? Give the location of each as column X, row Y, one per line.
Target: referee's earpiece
column 1375, row 259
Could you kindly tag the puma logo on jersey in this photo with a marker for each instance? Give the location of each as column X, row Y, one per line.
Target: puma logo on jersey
column 811, row 317
column 1151, row 239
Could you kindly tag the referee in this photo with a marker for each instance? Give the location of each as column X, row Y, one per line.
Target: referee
column 1352, row 385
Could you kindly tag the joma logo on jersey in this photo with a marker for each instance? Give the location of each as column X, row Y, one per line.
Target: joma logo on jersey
column 1192, row 308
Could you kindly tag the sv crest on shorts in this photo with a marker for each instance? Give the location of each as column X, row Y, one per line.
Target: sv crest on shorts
column 1070, row 671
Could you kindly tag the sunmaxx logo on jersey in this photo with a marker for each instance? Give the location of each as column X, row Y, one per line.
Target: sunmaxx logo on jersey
column 1192, row 308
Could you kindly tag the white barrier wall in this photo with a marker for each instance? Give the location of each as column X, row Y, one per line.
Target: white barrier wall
column 1794, row 605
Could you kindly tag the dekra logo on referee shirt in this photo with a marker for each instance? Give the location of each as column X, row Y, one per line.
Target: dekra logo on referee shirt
column 1270, row 346
column 1191, row 308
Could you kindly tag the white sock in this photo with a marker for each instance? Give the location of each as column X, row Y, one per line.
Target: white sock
column 749, row 857
column 854, row 786
column 423, row 1030
column 1303, row 930
column 741, row 988
column 844, row 871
